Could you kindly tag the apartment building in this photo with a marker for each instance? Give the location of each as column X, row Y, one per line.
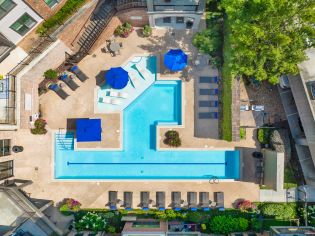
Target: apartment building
column 299, row 104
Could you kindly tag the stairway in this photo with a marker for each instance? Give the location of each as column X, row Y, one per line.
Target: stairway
column 98, row 22
column 65, row 141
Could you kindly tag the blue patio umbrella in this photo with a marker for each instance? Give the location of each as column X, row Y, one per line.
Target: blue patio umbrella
column 117, row 77
column 88, row 130
column 175, row 59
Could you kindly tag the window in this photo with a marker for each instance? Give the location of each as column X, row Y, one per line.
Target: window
column 167, row 19
column 5, row 147
column 51, row 3
column 6, row 169
column 180, row 20
column 23, row 24
column 5, row 7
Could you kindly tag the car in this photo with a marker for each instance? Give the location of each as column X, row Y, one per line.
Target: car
column 257, row 155
column 284, row 82
column 312, row 86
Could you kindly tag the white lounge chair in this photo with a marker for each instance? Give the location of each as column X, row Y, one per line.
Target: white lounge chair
column 110, row 100
column 117, row 94
column 144, row 72
column 133, row 78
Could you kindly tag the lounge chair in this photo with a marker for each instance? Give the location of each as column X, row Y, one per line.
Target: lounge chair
column 128, row 200
column 133, row 78
column 117, row 94
column 208, row 103
column 143, row 72
column 145, row 200
column 160, row 200
column 219, row 199
column 204, row 201
column 192, row 201
column 59, row 91
column 69, row 81
column 176, row 201
column 208, row 115
column 208, row 91
column 112, row 200
column 208, row 80
column 109, row 100
column 81, row 76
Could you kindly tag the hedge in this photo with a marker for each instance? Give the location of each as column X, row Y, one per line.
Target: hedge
column 228, row 224
column 70, row 7
column 278, row 211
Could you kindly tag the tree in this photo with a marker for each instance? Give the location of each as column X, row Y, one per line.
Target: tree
column 269, row 37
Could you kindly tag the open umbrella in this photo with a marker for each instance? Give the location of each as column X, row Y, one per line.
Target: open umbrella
column 117, row 77
column 175, row 59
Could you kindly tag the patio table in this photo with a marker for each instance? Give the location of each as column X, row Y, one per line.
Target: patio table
column 114, row 46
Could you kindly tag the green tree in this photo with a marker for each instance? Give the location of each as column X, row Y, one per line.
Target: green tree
column 269, row 37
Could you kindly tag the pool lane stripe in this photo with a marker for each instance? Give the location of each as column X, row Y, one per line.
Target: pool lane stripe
column 141, row 163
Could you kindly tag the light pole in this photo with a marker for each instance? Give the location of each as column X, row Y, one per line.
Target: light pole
column 305, row 203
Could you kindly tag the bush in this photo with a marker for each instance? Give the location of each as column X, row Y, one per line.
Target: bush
column 169, row 214
column 263, row 135
column 40, row 125
column 90, row 221
column 51, row 75
column 70, row 7
column 242, row 133
column 279, row 211
column 172, row 138
column 123, row 30
column 246, row 205
column 147, row 31
column 228, row 224
column 70, row 204
column 110, row 229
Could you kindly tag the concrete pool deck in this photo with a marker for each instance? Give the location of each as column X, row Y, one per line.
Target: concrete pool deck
column 35, row 163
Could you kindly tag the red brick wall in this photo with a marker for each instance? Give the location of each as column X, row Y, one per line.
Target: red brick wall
column 43, row 9
column 127, row 15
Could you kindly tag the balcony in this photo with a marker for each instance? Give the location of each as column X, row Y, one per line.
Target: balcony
column 8, row 100
column 176, row 5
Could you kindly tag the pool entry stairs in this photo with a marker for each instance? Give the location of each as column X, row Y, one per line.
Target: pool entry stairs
column 65, row 141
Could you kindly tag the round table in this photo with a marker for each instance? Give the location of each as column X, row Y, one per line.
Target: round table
column 114, row 47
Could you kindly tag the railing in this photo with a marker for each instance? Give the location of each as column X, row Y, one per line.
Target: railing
column 127, row 4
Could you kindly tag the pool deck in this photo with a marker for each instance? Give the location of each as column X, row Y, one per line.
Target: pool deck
column 36, row 162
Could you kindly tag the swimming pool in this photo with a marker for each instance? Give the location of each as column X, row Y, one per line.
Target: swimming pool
column 139, row 159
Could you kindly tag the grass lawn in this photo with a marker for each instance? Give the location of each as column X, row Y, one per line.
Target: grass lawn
column 227, row 77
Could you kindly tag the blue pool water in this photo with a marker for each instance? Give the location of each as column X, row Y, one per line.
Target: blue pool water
column 139, row 159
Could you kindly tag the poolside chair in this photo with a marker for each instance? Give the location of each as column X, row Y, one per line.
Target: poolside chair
column 192, row 201
column 112, row 200
column 208, row 103
column 117, row 94
column 69, row 81
column 59, row 91
column 176, row 201
column 208, row 91
column 109, row 100
column 208, row 115
column 145, row 200
column 133, row 78
column 143, row 72
column 81, row 76
column 208, row 79
column 128, row 200
column 204, row 201
column 160, row 201
column 219, row 199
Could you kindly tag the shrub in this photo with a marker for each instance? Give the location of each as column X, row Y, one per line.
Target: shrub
column 147, row 31
column 172, row 138
column 110, row 229
column 242, row 133
column 203, row 227
column 169, row 214
column 90, row 221
column 256, row 224
column 123, row 30
column 69, row 205
column 40, row 125
column 280, row 211
column 228, row 224
column 246, row 205
column 51, row 75
column 263, row 135
column 70, row 7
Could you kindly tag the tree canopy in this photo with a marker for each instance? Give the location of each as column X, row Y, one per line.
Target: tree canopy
column 269, row 37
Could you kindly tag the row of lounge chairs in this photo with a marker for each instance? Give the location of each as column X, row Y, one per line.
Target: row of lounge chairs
column 68, row 80
column 210, row 102
column 177, row 203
